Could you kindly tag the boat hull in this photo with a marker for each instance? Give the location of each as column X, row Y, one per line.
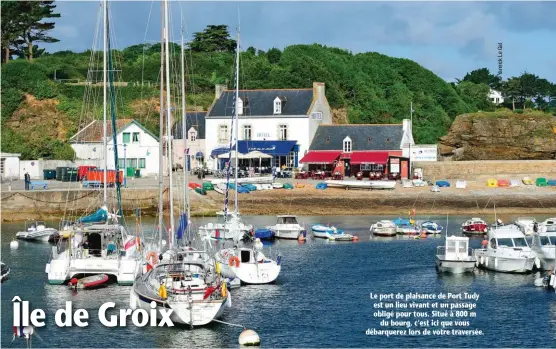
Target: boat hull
column 505, row 264
column 41, row 235
column 455, row 267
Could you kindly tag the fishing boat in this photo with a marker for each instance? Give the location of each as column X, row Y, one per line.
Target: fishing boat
column 187, row 284
column 287, row 227
column 384, row 228
column 474, row 226
column 431, row 227
column 455, row 257
column 229, row 226
column 506, row 250
column 89, row 282
column 526, row 224
column 4, row 272
column 330, row 233
column 544, row 244
column 35, row 231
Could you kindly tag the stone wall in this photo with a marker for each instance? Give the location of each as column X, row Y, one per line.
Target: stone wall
column 493, row 168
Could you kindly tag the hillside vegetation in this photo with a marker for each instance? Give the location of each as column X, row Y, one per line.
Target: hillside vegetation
column 368, row 87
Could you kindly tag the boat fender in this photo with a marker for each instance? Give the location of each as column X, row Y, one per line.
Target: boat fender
column 162, row 291
column 486, row 261
column 482, row 260
column 278, row 260
column 217, row 268
column 234, row 260
column 152, row 258
column 249, row 338
column 537, row 262
column 223, row 289
column 476, row 262
column 496, row 262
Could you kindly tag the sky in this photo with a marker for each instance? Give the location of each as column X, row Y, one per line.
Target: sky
column 449, row 38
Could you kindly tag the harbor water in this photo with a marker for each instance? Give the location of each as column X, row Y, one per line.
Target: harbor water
column 321, row 298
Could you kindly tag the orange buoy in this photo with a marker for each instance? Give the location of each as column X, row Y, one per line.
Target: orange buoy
column 355, row 239
column 152, row 257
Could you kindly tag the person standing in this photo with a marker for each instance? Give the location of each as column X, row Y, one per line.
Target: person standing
column 27, row 180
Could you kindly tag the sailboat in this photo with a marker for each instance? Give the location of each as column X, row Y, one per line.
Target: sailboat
column 183, row 279
column 111, row 250
column 250, row 265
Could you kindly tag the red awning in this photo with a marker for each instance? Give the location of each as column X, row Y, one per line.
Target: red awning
column 320, row 157
column 369, row 157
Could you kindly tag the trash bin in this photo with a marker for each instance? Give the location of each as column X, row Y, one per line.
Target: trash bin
column 49, row 174
column 137, row 173
column 130, row 172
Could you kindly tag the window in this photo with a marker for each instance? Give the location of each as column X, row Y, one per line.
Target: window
column 2, row 164
column 327, row 140
column 192, row 136
column 121, row 163
column 239, row 106
column 132, row 163
column 277, row 106
column 283, row 132
column 126, row 137
column 347, row 145
column 223, row 133
column 135, row 137
column 520, row 242
column 247, row 132
column 142, row 163
column 507, row 242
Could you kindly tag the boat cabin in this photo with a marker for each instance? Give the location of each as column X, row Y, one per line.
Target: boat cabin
column 456, row 247
column 287, row 220
column 507, row 237
column 34, row 225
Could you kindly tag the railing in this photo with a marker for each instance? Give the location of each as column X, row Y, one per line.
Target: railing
column 441, row 250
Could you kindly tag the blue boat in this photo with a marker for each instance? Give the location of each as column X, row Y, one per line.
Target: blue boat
column 431, row 227
column 330, row 233
column 264, row 234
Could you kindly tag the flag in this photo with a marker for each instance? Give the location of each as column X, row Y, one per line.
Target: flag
column 182, row 226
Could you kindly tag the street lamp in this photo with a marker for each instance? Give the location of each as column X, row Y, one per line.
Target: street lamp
column 125, row 166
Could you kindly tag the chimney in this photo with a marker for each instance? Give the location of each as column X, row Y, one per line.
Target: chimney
column 218, row 89
column 318, row 91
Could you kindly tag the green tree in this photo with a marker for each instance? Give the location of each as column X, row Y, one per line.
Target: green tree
column 215, row 38
column 34, row 30
column 482, row 76
column 274, row 55
column 475, row 95
column 11, row 27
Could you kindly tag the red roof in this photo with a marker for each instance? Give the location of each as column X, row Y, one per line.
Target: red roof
column 320, row 157
column 369, row 157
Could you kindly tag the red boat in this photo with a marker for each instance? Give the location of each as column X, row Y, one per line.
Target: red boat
column 474, row 226
column 193, row 185
column 89, row 281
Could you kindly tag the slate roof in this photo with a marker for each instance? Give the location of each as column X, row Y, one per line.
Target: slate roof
column 363, row 137
column 261, row 102
column 195, row 119
column 94, row 131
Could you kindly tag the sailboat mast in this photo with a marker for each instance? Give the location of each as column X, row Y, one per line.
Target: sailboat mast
column 237, row 121
column 105, row 135
column 161, row 141
column 168, row 121
column 184, row 136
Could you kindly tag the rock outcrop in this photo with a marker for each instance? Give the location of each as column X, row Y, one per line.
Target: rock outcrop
column 501, row 135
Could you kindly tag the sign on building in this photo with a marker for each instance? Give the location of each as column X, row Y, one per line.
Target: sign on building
column 316, row 115
column 424, row 152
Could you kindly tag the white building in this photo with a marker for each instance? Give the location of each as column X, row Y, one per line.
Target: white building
column 279, row 122
column 195, row 124
column 495, row 97
column 9, row 166
column 135, row 144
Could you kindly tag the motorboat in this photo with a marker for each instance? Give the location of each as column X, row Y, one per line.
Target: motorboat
column 498, row 223
column 455, row 257
column 506, row 250
column 188, row 283
column 264, row 234
column 406, row 226
column 250, row 265
column 36, row 230
column 384, row 228
column 544, row 244
column 5, row 271
column 526, row 224
column 229, row 226
column 474, row 226
column 330, row 233
column 287, row 227
column 547, row 281
column 431, row 227
column 109, row 249
column 550, row 224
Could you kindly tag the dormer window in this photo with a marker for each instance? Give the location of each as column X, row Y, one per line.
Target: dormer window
column 347, row 145
column 277, row 106
column 328, row 140
column 239, row 106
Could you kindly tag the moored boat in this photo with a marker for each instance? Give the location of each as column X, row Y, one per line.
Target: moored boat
column 406, row 226
column 229, row 226
column 526, row 224
column 474, row 226
column 264, row 234
column 36, row 231
column 5, row 271
column 506, row 251
column 431, row 227
column 544, row 244
column 330, row 233
column 287, row 227
column 455, row 257
column 92, row 281
column 384, row 228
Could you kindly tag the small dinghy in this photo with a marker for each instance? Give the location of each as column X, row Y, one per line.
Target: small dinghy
column 277, row 185
column 5, row 272
column 89, row 281
column 330, row 233
column 431, row 227
column 264, row 234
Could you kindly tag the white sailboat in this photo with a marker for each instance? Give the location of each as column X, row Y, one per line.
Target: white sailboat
column 250, row 265
column 111, row 250
column 185, row 280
